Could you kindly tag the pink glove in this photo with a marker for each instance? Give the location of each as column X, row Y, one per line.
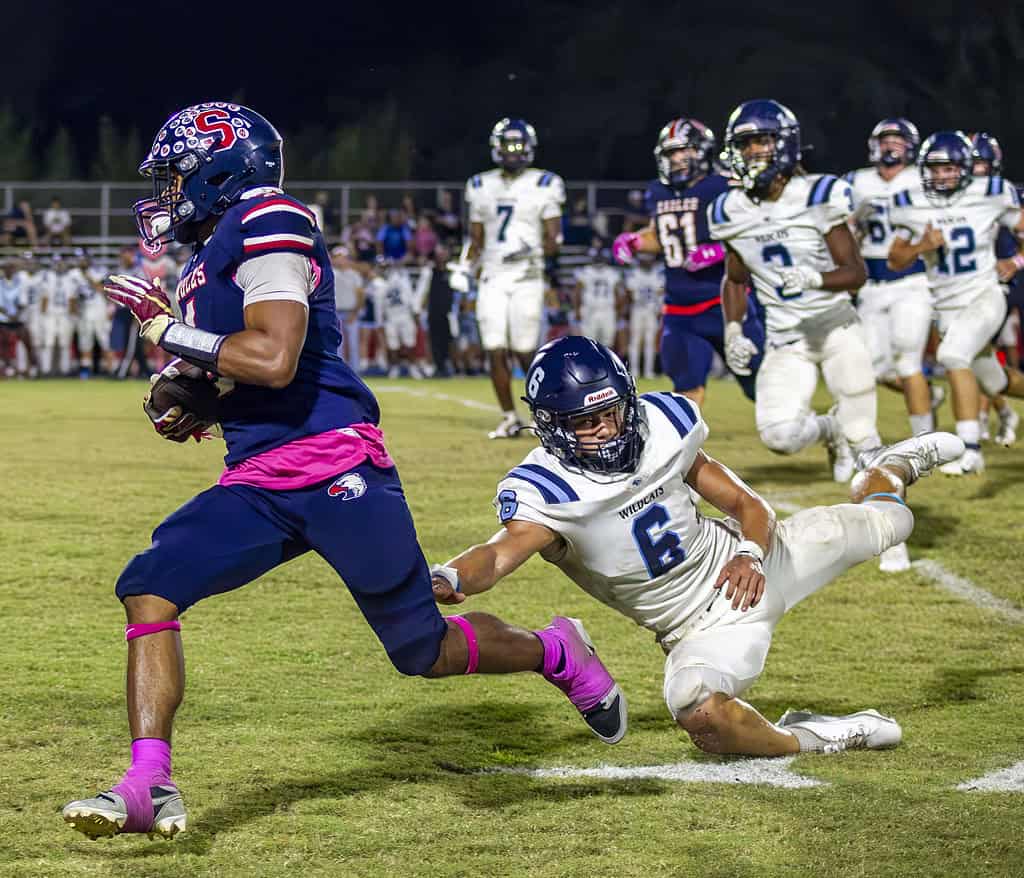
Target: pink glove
column 704, row 256
column 624, row 246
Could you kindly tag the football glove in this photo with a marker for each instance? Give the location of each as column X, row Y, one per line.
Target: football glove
column 181, row 403
column 799, row 278
column 459, row 275
column 147, row 301
column 704, row 256
column 624, row 246
column 739, row 350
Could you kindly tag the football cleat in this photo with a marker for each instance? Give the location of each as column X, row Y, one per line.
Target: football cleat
column 969, row 462
column 895, row 559
column 864, row 730
column 509, row 428
column 840, row 457
column 106, row 814
column 1009, row 420
column 984, row 435
column 587, row 683
column 917, row 456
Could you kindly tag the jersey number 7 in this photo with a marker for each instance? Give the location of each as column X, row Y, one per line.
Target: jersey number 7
column 505, row 212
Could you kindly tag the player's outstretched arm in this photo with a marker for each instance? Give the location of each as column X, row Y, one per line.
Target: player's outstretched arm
column 722, row 488
column 739, row 350
column 480, row 567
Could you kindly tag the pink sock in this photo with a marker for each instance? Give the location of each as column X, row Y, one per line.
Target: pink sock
column 151, row 766
column 554, row 651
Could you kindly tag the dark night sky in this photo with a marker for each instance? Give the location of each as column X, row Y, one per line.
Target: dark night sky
column 597, row 79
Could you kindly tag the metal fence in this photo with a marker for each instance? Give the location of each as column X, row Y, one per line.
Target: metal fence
column 101, row 212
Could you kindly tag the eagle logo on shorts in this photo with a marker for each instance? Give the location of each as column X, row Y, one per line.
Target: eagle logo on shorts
column 349, row 487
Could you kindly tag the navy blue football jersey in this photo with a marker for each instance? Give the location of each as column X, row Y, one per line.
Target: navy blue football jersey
column 325, row 393
column 680, row 220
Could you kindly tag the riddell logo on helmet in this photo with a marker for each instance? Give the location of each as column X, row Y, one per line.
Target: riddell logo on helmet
column 605, row 395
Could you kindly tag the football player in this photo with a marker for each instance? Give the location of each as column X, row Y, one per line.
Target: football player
column 951, row 223
column 607, row 499
column 515, row 216
column 93, row 315
column 677, row 202
column 988, row 162
column 57, row 309
column 14, row 313
column 398, row 306
column 597, row 297
column 307, row 469
column 895, row 306
column 645, row 284
column 785, row 231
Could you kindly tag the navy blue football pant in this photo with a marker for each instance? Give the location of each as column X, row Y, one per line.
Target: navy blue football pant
column 688, row 343
column 228, row 536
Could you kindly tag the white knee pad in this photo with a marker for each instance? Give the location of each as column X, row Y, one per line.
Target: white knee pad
column 689, row 688
column 908, row 363
column 950, row 358
column 895, row 522
column 789, row 437
column 991, row 376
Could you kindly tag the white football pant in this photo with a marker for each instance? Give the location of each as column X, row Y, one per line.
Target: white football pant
column 643, row 332
column 509, row 313
column 897, row 316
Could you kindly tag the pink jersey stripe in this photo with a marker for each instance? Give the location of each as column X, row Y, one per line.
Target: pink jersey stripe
column 311, row 459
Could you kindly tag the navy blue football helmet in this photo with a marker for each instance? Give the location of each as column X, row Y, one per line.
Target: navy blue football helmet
column 893, row 127
column 754, row 118
column 684, row 133
column 987, row 149
column 216, row 150
column 942, row 149
column 576, row 376
column 513, row 144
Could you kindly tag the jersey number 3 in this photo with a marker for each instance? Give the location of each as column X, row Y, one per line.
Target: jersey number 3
column 662, row 552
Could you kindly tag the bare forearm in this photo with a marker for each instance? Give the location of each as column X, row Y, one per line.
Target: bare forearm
column 478, row 567
column 734, row 300
column 757, row 520
column 903, row 255
column 253, row 357
column 845, row 278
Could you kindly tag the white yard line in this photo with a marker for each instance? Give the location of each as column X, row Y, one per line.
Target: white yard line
column 444, row 397
column 1006, row 780
column 757, row 772
column 966, row 590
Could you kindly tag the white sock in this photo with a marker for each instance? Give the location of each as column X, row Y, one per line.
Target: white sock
column 970, row 432
column 922, row 424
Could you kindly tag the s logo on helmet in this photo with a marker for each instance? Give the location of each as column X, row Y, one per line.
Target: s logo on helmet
column 350, row 486
column 217, row 122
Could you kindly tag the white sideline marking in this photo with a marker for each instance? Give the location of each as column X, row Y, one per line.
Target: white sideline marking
column 968, row 591
column 1006, row 780
column 761, row 772
column 444, row 397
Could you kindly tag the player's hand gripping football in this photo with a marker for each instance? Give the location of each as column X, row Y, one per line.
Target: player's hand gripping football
column 739, row 350
column 744, row 580
column 445, row 583
column 147, row 301
column 172, row 393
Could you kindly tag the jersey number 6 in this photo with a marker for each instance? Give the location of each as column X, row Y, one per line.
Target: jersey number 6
column 663, row 553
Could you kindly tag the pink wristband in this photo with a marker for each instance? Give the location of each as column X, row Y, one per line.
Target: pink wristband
column 1018, row 260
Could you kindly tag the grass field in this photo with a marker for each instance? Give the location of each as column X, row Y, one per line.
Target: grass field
column 301, row 752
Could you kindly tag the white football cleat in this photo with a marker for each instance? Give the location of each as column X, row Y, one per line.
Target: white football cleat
column 970, row 462
column 1006, row 435
column 895, row 559
column 919, row 454
column 509, row 428
column 840, row 457
column 984, row 435
column 864, row 730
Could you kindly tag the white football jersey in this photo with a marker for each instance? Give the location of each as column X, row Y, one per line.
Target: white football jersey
column 872, row 198
column 396, row 294
column 647, row 286
column 513, row 210
column 966, row 265
column 772, row 235
column 598, row 283
column 637, row 544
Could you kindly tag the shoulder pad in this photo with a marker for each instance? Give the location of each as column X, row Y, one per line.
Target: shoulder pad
column 277, row 223
column 475, row 182
column 545, row 179
column 679, row 411
column 821, row 189
column 995, row 185
column 718, row 213
column 902, row 199
column 552, row 487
